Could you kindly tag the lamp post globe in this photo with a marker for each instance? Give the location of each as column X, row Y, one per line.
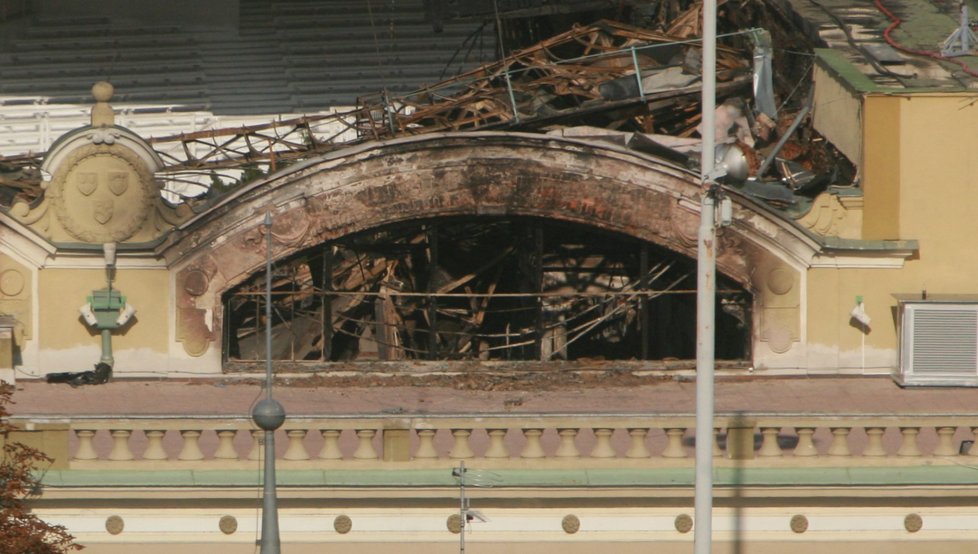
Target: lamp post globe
column 268, row 414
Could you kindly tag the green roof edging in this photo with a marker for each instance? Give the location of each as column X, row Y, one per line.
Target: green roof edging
column 501, row 478
column 841, row 68
column 855, row 80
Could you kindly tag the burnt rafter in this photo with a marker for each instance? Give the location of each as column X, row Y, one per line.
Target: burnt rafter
column 486, row 289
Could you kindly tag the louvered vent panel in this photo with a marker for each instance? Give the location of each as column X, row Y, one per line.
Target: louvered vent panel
column 945, row 341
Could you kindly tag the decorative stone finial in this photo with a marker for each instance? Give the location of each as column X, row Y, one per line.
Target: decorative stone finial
column 102, row 114
column 102, row 91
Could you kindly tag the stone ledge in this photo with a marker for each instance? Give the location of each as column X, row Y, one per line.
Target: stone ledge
column 724, row 478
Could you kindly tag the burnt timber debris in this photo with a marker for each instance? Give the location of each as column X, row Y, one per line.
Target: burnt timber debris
column 489, row 289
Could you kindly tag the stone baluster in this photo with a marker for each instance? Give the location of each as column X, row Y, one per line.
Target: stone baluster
column 426, row 445
column 567, row 448
column 225, row 445
column 331, row 445
column 805, row 446
column 874, row 442
column 674, row 443
column 636, row 446
column 365, row 445
column 497, row 444
column 533, row 448
column 769, row 443
column 840, row 442
column 461, row 449
column 120, row 445
column 154, row 445
column 908, row 446
column 602, row 443
column 86, row 448
column 257, row 442
column 945, row 442
column 297, row 445
column 191, row 446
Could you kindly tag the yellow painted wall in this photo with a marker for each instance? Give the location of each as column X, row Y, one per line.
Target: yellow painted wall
column 834, row 343
column 921, row 178
column 62, row 291
column 938, row 187
column 881, row 167
column 933, row 180
column 823, row 323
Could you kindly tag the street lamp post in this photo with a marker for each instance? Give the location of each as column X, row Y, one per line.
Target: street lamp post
column 705, row 295
column 269, row 415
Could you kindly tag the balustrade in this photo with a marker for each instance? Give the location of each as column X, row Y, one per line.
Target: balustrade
column 587, row 440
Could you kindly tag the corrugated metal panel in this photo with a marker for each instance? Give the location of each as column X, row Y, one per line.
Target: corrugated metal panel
column 289, row 57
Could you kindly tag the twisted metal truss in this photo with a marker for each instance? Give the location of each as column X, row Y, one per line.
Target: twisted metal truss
column 550, row 82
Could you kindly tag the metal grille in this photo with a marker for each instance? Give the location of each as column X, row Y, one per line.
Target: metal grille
column 945, row 340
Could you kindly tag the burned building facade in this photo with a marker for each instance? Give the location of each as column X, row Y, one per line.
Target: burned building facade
column 532, row 211
column 540, row 208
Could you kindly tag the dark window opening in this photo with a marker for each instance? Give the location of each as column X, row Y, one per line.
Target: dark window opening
column 482, row 289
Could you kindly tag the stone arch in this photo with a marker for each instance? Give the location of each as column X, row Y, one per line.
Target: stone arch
column 483, row 173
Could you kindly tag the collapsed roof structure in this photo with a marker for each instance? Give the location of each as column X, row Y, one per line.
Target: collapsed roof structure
column 637, row 86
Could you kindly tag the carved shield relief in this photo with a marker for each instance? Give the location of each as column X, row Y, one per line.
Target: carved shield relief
column 87, row 183
column 118, row 182
column 102, row 193
column 102, row 210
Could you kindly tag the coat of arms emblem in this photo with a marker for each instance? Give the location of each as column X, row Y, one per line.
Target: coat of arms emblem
column 87, row 183
column 118, row 182
column 103, row 209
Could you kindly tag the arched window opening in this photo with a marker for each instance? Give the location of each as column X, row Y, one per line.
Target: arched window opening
column 518, row 289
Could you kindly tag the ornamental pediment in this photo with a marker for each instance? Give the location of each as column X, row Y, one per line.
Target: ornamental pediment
column 100, row 186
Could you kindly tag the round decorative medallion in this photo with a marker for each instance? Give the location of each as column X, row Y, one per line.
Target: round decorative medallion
column 780, row 281
column 684, row 523
column 114, row 525
column 11, row 282
column 570, row 524
column 228, row 524
column 799, row 523
column 102, row 193
column 195, row 282
column 454, row 523
column 343, row 524
column 913, row 523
